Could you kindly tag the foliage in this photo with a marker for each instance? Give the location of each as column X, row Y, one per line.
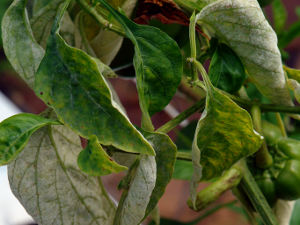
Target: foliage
column 63, row 51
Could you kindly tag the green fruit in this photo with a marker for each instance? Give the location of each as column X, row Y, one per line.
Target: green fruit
column 267, row 187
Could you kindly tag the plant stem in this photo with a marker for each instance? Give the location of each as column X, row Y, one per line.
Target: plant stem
column 184, row 156
column 181, row 117
column 256, row 197
column 101, row 21
column 281, row 124
column 262, row 156
column 192, row 33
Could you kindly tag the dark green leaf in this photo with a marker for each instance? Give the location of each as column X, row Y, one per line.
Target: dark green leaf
column 69, row 81
column 3, row 6
column 94, row 161
column 15, row 133
column 226, row 70
column 287, row 36
column 279, row 15
column 157, row 61
column 20, row 47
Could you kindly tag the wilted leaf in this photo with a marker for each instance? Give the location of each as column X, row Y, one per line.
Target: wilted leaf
column 15, row 133
column 94, row 161
column 226, row 70
column 157, row 61
column 133, row 204
column 69, row 81
column 20, row 47
column 242, row 26
column 47, row 181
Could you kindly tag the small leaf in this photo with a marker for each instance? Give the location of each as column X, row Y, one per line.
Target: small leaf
column 242, row 26
column 69, row 80
column 47, row 181
column 292, row 73
column 133, row 203
column 157, row 62
column 20, row 47
column 94, row 161
column 295, row 87
column 15, row 133
column 279, row 15
column 226, row 70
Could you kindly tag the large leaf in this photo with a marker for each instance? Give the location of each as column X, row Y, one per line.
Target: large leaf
column 15, row 133
column 47, row 181
column 20, row 47
column 94, row 161
column 134, row 201
column 69, row 80
column 242, row 26
column 157, row 62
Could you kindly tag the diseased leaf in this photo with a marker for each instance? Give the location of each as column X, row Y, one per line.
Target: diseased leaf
column 15, row 133
column 134, row 201
column 226, row 70
column 157, row 62
column 20, row 47
column 165, row 160
column 94, row 161
column 47, row 181
column 69, row 81
column 242, row 26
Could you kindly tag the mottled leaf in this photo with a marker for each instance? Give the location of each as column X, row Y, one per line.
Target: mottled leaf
column 69, row 80
column 134, row 201
column 242, row 26
column 165, row 160
column 47, row 181
column 94, row 161
column 20, row 47
column 157, row 61
column 226, row 70
column 15, row 133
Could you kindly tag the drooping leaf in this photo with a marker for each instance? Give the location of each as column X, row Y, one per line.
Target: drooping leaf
column 226, row 70
column 157, row 62
column 94, row 161
column 69, row 80
column 165, row 160
column 20, row 47
column 15, row 133
column 134, row 201
column 47, row 181
column 279, row 15
column 242, row 26
column 292, row 73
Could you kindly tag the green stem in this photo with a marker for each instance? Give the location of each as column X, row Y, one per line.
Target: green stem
column 101, row 21
column 262, row 156
column 184, row 156
column 181, row 117
column 256, row 197
column 281, row 124
column 192, row 33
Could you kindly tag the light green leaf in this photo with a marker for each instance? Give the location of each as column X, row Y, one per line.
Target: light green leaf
column 292, row 73
column 20, row 47
column 157, row 62
column 134, row 201
column 165, row 160
column 94, row 161
column 69, row 80
column 15, row 133
column 242, row 26
column 279, row 15
column 47, row 181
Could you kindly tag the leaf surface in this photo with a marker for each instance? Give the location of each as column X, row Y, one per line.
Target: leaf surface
column 47, row 181
column 20, row 47
column 157, row 62
column 69, row 80
column 242, row 26
column 15, row 133
column 94, row 161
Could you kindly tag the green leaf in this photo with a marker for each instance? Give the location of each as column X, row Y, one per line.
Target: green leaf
column 47, row 181
column 20, row 47
column 292, row 73
column 295, row 87
column 3, row 6
column 288, row 36
column 279, row 15
column 94, row 161
column 69, row 81
column 295, row 219
column 134, row 201
column 242, row 26
column 165, row 160
column 15, row 133
column 226, row 70
column 157, row 62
